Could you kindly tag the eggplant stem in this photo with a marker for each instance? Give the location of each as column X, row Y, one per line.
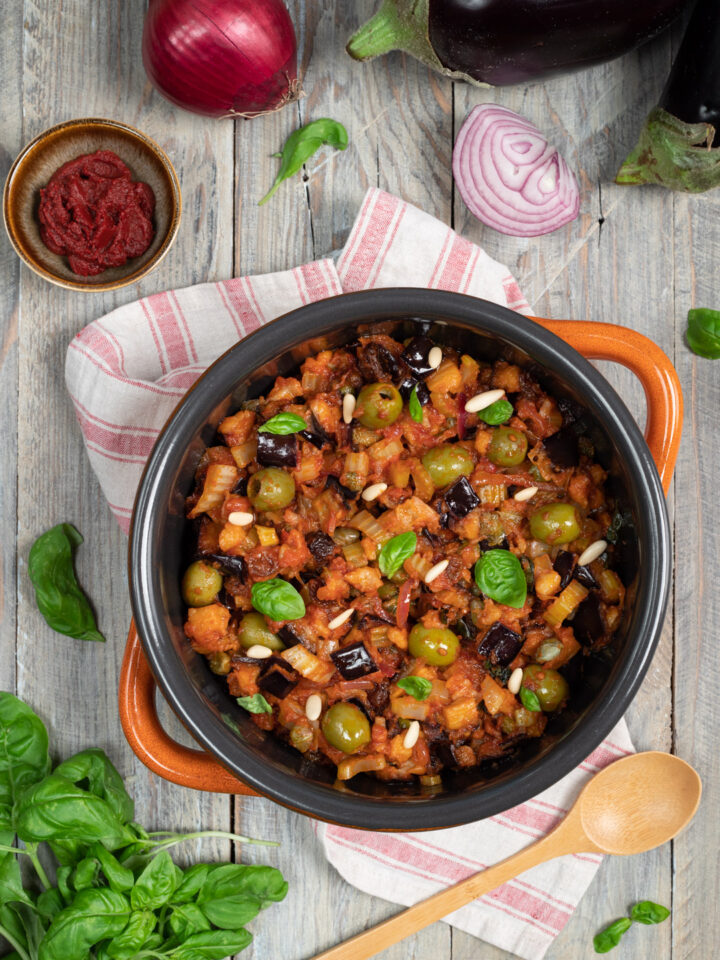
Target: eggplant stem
column 381, row 34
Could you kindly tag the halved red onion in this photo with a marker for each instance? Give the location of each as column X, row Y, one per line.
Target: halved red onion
column 510, row 177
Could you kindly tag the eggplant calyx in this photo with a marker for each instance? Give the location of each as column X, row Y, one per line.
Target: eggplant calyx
column 402, row 25
column 674, row 154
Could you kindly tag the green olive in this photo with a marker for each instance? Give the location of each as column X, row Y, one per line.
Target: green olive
column 201, row 583
column 380, row 404
column 438, row 646
column 346, row 727
column 550, row 687
column 447, row 462
column 271, row 489
column 508, row 447
column 255, row 631
column 555, row 523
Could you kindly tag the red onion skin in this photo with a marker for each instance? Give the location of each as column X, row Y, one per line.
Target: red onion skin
column 221, row 57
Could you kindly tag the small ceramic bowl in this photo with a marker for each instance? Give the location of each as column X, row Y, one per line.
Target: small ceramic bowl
column 51, row 149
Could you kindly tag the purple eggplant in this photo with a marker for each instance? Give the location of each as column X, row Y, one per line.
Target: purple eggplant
column 500, row 645
column 563, row 448
column 460, row 499
column 422, row 392
column 564, row 565
column 277, row 450
column 416, row 355
column 277, row 682
column 587, row 623
column 512, row 41
column 353, row 661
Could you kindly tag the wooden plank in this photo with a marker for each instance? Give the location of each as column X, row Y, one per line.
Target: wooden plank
column 697, row 599
column 594, row 270
column 78, row 64
column 10, row 142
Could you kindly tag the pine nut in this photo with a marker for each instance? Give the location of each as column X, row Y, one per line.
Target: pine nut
column 482, row 400
column 435, row 357
column 348, row 407
column 258, row 652
column 411, row 737
column 373, row 491
column 515, row 681
column 341, row 618
column 239, row 518
column 313, row 707
column 434, row 572
column 527, row 494
column 592, row 552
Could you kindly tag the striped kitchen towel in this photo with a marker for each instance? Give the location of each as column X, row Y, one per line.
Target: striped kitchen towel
column 126, row 373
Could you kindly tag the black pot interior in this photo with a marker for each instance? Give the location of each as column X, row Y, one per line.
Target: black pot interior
column 603, row 684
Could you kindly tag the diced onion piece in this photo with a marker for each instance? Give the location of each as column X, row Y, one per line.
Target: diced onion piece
column 462, row 712
column 307, row 664
column 440, row 691
column 497, row 699
column 244, row 453
column 410, row 709
column 219, row 480
column 418, row 566
column 561, row 608
column 354, row 765
column 510, row 177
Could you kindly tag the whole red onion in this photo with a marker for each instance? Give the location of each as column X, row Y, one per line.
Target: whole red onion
column 222, row 57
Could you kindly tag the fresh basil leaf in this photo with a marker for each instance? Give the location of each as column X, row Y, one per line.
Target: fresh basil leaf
column 119, row 877
column 703, row 333
column 186, row 919
column 648, row 912
column 50, row 903
column 496, row 413
column 530, row 699
column 610, row 936
column 134, row 936
column 59, row 597
column 211, row 945
column 302, row 144
column 24, row 757
column 156, row 884
column 11, row 886
column 68, row 852
column 86, row 873
column 55, row 809
column 499, row 574
column 94, row 915
column 395, row 552
column 62, row 878
column 241, row 880
column 418, row 687
column 95, row 767
column 414, row 406
column 255, row 704
column 277, row 599
column 283, row 423
column 191, row 884
column 10, row 921
column 33, row 926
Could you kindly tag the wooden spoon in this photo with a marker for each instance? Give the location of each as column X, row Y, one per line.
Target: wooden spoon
column 635, row 804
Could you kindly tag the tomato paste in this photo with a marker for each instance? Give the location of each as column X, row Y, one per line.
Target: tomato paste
column 93, row 213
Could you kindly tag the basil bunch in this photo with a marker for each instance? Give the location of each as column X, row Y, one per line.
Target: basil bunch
column 500, row 576
column 59, row 598
column 118, row 894
column 395, row 552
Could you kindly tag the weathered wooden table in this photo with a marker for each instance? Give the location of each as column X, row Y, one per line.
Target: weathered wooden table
column 636, row 256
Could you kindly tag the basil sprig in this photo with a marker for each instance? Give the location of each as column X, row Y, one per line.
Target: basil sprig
column 648, row 912
column 302, row 144
column 643, row 912
column 117, row 892
column 530, row 699
column 57, row 592
column 283, row 424
column 414, row 406
column 395, row 552
column 703, row 333
column 500, row 576
column 277, row 599
column 417, row 687
column 496, row 413
column 255, row 704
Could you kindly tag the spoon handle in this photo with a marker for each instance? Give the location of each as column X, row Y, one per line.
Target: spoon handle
column 566, row 838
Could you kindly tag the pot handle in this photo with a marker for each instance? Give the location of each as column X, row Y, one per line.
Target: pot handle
column 148, row 738
column 609, row 341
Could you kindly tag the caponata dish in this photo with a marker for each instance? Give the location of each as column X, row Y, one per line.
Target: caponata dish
column 398, row 553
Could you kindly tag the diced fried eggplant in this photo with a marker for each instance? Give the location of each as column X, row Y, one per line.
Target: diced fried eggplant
column 500, row 644
column 587, row 623
column 354, row 661
column 564, row 565
column 277, row 450
column 562, row 448
column 416, row 355
column 460, row 499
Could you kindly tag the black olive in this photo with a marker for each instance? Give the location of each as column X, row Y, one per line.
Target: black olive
column 500, row 644
column 320, row 545
column 587, row 623
column 422, row 392
column 276, row 450
column 562, row 448
column 564, row 564
column 232, row 566
column 416, row 355
column 354, row 661
column 277, row 682
column 461, row 498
